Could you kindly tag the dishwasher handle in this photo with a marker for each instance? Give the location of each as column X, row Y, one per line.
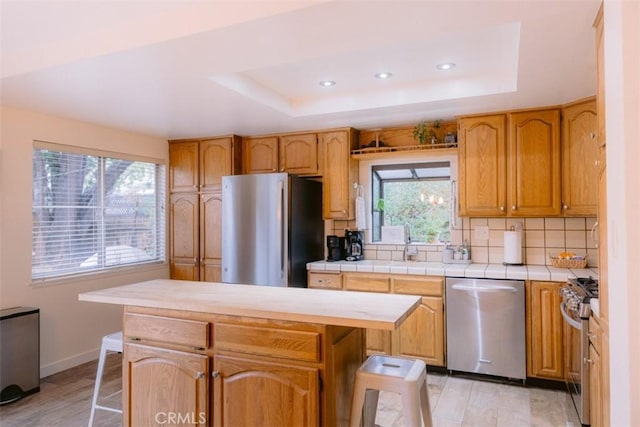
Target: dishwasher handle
column 484, row 288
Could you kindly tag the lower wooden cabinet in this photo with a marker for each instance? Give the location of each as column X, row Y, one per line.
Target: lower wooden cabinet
column 236, row 401
column 598, row 374
column 545, row 331
column 186, row 368
column 167, row 386
column 422, row 334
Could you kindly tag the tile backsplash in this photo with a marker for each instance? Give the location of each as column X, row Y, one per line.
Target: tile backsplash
column 541, row 237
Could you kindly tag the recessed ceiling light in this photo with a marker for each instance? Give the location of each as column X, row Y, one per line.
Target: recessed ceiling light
column 327, row 83
column 445, row 66
column 383, row 76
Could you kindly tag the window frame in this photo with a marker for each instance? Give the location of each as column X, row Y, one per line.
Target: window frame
column 161, row 223
column 423, row 156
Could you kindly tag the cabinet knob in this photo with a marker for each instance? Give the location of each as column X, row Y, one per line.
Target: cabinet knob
column 344, row 212
column 215, row 374
column 199, row 375
column 513, row 207
column 588, row 361
column 593, row 135
column 565, row 207
column 195, row 186
column 274, row 170
column 501, row 208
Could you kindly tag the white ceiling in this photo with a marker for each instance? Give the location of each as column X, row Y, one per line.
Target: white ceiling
column 186, row 69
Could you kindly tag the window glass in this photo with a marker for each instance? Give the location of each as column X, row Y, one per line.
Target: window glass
column 418, row 195
column 92, row 213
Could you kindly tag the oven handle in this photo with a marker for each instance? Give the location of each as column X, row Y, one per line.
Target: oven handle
column 573, row 323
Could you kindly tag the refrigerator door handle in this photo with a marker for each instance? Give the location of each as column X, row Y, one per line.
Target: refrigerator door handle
column 282, row 220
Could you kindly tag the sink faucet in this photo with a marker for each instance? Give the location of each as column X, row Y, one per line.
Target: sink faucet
column 407, row 233
column 410, row 251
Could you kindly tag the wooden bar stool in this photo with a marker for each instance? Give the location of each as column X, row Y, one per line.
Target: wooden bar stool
column 111, row 342
column 408, row 377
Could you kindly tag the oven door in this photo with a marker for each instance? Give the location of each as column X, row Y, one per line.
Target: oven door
column 576, row 363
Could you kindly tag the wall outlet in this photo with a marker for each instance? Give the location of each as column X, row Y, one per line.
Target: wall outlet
column 481, row 232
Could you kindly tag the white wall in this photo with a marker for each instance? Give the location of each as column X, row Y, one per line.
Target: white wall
column 622, row 97
column 70, row 331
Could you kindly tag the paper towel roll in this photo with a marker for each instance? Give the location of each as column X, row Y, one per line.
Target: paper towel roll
column 513, row 247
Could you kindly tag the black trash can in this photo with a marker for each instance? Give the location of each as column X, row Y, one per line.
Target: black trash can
column 19, row 353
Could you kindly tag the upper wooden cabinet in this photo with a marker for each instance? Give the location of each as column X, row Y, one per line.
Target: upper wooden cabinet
column 534, row 182
column 509, row 165
column 260, row 155
column 482, row 172
column 299, row 154
column 296, row 154
column 340, row 173
column 183, row 166
column 199, row 165
column 580, row 159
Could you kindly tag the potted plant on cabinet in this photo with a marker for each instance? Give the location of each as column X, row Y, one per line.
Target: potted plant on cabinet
column 424, row 132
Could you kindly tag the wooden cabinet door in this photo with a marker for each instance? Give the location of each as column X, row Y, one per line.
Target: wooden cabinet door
column 254, row 393
column 580, row 155
column 299, row 154
column 183, row 166
column 422, row 334
column 260, row 155
column 183, row 236
column 160, row 383
column 482, row 168
column 534, row 182
column 338, row 194
column 216, row 157
column 545, row 331
column 210, row 236
column 378, row 341
column 595, row 388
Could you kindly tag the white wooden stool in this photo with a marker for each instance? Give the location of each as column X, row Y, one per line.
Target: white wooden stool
column 111, row 342
column 408, row 377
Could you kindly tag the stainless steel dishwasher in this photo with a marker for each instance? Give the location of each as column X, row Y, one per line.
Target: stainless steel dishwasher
column 486, row 327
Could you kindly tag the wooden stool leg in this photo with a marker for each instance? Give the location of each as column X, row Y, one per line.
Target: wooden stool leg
column 356, row 405
column 370, row 407
column 425, row 405
column 411, row 408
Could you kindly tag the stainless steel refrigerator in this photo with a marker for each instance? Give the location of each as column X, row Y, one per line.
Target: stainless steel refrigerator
column 271, row 227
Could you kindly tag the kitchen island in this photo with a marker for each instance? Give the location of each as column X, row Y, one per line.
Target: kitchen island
column 198, row 353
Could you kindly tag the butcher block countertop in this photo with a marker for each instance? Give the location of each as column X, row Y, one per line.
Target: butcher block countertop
column 328, row 307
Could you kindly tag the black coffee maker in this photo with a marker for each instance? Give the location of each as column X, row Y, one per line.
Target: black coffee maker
column 354, row 240
column 335, row 248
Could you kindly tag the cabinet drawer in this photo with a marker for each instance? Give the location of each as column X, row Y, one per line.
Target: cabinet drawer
column 427, row 286
column 325, row 280
column 190, row 333
column 594, row 333
column 283, row 343
column 367, row 283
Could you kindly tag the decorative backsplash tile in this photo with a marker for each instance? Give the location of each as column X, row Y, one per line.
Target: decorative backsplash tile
column 542, row 237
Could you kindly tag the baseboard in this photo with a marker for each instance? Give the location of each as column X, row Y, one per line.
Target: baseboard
column 68, row 363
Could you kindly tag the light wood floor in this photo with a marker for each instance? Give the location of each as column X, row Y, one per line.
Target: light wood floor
column 65, row 400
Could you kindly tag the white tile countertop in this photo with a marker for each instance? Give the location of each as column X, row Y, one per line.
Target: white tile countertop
column 480, row 271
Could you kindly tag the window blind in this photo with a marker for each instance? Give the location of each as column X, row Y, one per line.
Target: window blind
column 93, row 212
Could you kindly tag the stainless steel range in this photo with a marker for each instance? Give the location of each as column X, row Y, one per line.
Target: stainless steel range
column 576, row 309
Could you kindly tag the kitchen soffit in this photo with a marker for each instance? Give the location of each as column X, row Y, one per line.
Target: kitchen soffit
column 489, row 67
